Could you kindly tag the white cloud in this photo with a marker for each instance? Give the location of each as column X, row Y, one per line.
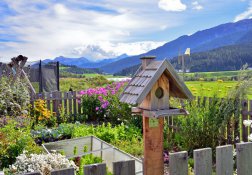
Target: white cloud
column 102, row 50
column 172, row 5
column 58, row 29
column 245, row 15
column 196, row 5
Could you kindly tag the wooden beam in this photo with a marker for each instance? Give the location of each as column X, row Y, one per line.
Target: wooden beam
column 136, row 110
column 162, row 113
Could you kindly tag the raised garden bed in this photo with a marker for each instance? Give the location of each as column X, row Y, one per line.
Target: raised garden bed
column 97, row 147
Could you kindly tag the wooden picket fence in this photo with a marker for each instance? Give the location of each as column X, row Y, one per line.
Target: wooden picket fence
column 71, row 104
column 119, row 168
column 178, row 163
column 56, row 101
column 203, row 163
column 234, row 132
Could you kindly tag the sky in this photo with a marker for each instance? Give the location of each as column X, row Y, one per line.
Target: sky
column 98, row 29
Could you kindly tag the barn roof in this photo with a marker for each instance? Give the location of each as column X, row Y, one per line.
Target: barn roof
column 143, row 80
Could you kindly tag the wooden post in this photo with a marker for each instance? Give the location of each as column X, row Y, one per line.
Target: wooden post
column 67, row 171
column 153, row 147
column 244, row 117
column 178, row 163
column 95, row 169
column 224, row 160
column 33, row 173
column 124, row 167
column 203, row 161
column 153, row 129
column 244, row 158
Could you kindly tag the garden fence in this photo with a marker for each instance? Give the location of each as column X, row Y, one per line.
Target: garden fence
column 119, row 168
column 224, row 164
column 234, row 132
column 69, row 102
column 178, row 163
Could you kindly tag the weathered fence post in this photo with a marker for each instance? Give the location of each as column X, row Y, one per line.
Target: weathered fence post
column 203, row 161
column 33, row 173
column 244, row 158
column 124, row 167
column 244, row 117
column 95, row 169
column 66, row 171
column 224, row 160
column 178, row 163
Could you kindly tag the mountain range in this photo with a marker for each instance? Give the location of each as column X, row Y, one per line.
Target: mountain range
column 83, row 62
column 205, row 40
column 203, row 44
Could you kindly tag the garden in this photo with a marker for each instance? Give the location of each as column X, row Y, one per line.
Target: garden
column 25, row 126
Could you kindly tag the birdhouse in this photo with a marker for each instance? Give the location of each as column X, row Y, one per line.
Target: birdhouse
column 150, row 89
column 152, row 86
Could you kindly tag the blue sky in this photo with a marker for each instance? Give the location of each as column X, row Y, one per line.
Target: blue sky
column 100, row 29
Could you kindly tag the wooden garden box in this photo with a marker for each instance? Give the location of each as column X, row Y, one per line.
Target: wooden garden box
column 150, row 89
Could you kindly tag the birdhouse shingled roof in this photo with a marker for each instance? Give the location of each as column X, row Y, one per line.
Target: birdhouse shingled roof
column 144, row 79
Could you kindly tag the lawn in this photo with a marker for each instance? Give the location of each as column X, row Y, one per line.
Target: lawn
column 210, row 88
column 224, row 75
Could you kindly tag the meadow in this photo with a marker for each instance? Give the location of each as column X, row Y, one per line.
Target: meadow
column 213, row 76
column 198, row 88
column 211, row 88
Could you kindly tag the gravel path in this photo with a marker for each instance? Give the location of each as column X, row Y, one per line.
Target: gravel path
column 166, row 169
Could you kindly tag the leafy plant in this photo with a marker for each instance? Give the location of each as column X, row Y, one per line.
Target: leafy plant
column 14, row 98
column 63, row 131
column 103, row 104
column 41, row 115
column 13, row 141
column 127, row 138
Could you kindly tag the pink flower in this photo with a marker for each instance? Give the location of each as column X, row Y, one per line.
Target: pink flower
column 100, row 98
column 97, row 108
column 82, row 92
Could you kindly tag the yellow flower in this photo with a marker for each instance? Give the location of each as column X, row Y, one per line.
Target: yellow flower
column 220, row 81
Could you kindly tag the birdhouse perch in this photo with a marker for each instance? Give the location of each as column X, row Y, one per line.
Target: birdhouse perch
column 150, row 89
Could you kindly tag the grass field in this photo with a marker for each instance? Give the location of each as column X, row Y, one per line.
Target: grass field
column 106, row 76
column 208, row 89
column 217, row 75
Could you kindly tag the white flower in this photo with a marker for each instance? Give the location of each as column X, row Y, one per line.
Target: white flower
column 40, row 162
column 247, row 122
column 250, row 137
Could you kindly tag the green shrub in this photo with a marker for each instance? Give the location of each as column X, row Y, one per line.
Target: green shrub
column 14, row 99
column 127, row 138
column 102, row 104
column 205, row 123
column 14, row 141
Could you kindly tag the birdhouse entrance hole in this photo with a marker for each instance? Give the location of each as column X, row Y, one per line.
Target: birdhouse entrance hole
column 159, row 93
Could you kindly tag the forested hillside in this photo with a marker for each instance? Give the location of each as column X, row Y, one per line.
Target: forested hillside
column 221, row 59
